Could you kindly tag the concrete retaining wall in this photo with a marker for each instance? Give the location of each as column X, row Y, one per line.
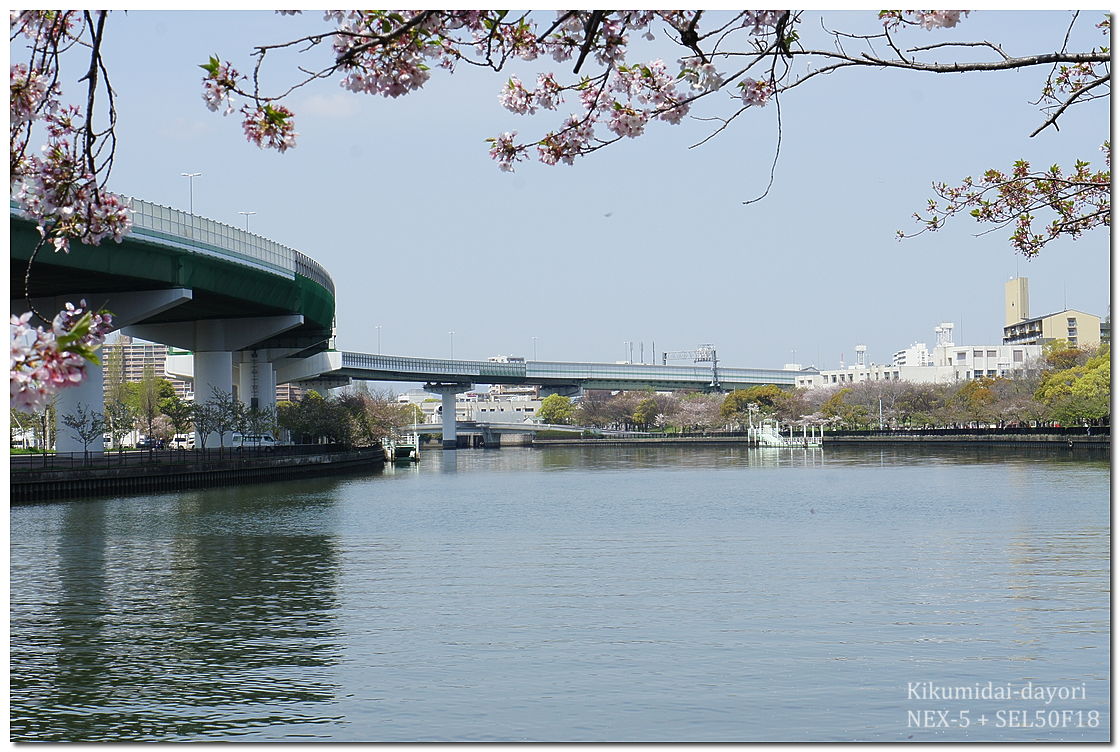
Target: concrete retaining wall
column 32, row 487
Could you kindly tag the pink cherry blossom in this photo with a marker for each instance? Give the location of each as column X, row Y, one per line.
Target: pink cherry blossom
column 43, row 361
column 515, row 98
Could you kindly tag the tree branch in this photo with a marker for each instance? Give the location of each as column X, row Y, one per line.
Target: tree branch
column 1053, row 119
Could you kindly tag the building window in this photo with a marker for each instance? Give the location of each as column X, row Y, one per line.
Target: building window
column 991, row 372
column 1017, row 356
column 977, row 374
column 961, row 355
column 991, row 353
column 978, row 353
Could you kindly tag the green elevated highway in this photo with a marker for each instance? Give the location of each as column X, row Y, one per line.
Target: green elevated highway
column 230, row 274
column 239, row 302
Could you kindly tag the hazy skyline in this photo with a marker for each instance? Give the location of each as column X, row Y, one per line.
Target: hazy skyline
column 646, row 241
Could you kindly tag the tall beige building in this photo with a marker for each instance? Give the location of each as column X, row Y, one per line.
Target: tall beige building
column 1016, row 303
column 1080, row 328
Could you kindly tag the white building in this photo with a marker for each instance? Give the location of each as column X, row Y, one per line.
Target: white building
column 489, row 407
column 947, row 363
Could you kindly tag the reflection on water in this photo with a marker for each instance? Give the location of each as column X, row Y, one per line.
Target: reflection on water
column 576, row 593
column 169, row 619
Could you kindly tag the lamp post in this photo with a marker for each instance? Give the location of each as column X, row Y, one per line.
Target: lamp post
column 534, row 348
column 452, row 335
column 247, row 214
column 190, row 176
column 379, row 339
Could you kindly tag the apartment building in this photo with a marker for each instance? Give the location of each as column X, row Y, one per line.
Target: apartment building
column 1020, row 328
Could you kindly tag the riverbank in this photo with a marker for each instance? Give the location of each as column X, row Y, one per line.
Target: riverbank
column 1099, row 439
column 1052, row 440
column 663, row 440
column 168, row 471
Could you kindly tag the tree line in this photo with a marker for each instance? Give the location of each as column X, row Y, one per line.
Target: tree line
column 1068, row 386
column 356, row 417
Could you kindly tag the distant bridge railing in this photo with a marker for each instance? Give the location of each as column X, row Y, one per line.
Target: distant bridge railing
column 477, row 370
column 558, row 372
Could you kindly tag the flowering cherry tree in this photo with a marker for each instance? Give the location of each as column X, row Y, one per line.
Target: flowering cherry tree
column 748, row 59
column 738, row 61
column 62, row 188
column 46, row 360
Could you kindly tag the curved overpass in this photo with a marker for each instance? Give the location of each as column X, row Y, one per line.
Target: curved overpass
column 238, row 301
column 227, row 274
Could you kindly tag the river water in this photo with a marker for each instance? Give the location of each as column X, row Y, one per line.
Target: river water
column 564, row 594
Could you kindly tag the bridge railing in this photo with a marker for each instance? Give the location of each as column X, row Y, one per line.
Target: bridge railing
column 199, row 234
column 589, row 371
column 558, row 371
column 475, row 369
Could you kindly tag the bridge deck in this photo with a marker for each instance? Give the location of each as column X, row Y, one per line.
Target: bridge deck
column 370, row 367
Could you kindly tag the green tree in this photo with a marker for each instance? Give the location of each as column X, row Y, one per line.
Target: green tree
column 147, row 396
column 315, row 418
column 1080, row 394
column 764, row 400
column 1060, row 355
column 645, row 412
column 839, row 411
column 179, row 412
column 556, row 408
column 120, row 420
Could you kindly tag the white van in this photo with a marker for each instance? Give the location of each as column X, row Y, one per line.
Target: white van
column 183, row 441
column 252, row 440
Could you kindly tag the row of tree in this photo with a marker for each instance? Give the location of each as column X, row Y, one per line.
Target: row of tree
column 357, row 417
column 1069, row 386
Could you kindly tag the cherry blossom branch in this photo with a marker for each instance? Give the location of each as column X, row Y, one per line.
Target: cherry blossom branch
column 940, row 45
column 1053, row 119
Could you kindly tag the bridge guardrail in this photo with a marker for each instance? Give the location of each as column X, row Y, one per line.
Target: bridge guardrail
column 453, row 368
column 168, row 224
column 556, row 371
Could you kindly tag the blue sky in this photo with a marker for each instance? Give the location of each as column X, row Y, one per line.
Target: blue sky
column 647, row 240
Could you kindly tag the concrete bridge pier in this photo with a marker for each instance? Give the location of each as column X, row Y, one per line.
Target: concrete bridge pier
column 214, row 342
column 88, row 393
column 447, row 392
column 256, row 380
column 491, row 439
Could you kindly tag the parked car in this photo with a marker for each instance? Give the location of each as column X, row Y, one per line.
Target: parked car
column 147, row 442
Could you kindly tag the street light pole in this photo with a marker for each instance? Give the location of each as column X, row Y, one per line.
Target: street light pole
column 452, row 335
column 379, row 339
column 190, row 176
column 247, row 215
column 534, row 348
